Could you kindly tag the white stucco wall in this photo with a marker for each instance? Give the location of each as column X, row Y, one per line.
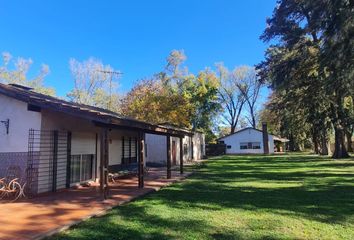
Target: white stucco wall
column 177, row 144
column 116, row 144
column 247, row 135
column 21, row 120
column 84, row 139
column 83, row 143
column 84, row 135
column 198, row 145
column 157, row 148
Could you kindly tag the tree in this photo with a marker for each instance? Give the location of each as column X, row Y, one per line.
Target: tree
column 285, row 120
column 231, row 98
column 201, row 91
column 250, row 86
column 349, row 131
column 304, row 60
column 223, row 131
column 176, row 96
column 336, row 22
column 149, row 101
column 174, row 71
column 204, row 99
column 94, row 84
column 16, row 70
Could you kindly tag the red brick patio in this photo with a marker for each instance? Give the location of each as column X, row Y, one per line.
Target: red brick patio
column 39, row 217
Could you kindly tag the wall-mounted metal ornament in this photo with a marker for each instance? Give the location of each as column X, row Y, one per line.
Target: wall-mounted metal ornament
column 7, row 125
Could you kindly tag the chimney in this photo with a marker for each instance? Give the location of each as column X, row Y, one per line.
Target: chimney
column 265, row 138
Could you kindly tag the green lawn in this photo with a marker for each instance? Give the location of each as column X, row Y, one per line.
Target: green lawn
column 240, row 197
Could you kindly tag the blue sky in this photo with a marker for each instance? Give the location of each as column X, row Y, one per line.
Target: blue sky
column 132, row 36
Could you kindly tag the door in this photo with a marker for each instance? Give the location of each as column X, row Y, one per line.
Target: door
column 83, row 153
column 174, row 158
column 81, row 168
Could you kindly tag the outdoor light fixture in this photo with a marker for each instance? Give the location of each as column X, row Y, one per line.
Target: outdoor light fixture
column 7, row 125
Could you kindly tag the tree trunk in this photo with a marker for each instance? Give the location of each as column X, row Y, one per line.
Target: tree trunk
column 291, row 143
column 294, row 146
column 349, row 134
column 339, row 145
column 315, row 142
column 253, row 118
column 233, row 128
column 324, row 143
column 324, row 147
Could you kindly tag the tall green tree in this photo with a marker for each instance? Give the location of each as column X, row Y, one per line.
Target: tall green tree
column 176, row 96
column 150, row 101
column 299, row 65
column 337, row 64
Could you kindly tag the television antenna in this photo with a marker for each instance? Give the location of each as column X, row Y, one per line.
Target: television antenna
column 111, row 73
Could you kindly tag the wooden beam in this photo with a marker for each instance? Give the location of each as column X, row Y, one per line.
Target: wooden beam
column 141, row 160
column 146, row 128
column 181, row 155
column 104, row 163
column 168, row 141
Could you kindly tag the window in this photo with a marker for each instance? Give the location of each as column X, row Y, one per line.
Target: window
column 256, row 145
column 129, row 150
column 228, row 146
column 243, row 145
column 81, row 167
column 185, row 149
column 250, row 145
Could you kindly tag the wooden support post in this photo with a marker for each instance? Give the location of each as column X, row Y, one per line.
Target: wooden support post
column 104, row 163
column 181, row 155
column 130, row 150
column 141, row 160
column 96, row 151
column 168, row 156
column 55, row 161
column 123, row 161
column 68, row 160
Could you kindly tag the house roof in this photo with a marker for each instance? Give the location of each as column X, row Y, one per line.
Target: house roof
column 247, row 128
column 99, row 116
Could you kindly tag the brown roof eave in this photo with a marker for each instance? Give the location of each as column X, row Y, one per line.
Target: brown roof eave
column 55, row 106
column 103, row 118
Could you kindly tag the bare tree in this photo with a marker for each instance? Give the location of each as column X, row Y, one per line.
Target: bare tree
column 93, row 85
column 249, row 85
column 14, row 70
column 175, row 71
column 230, row 96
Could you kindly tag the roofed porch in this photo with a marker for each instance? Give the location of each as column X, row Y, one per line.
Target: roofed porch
column 51, row 212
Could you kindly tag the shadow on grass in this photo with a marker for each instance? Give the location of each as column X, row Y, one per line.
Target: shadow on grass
column 140, row 225
column 309, row 187
column 319, row 192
